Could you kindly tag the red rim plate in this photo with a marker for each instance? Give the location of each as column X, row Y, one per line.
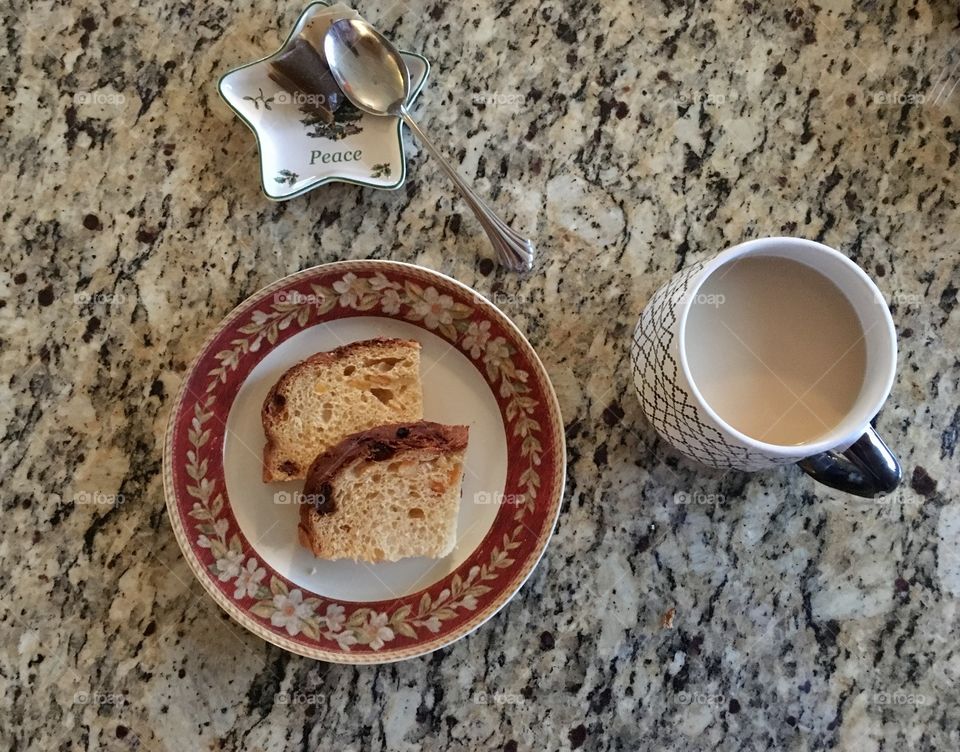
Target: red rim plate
column 332, row 629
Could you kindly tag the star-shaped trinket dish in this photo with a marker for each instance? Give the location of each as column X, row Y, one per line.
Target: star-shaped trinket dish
column 300, row 150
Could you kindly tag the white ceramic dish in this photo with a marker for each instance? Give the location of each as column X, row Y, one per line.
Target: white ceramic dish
column 298, row 154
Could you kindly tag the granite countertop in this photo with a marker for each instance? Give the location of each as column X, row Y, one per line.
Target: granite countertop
column 629, row 139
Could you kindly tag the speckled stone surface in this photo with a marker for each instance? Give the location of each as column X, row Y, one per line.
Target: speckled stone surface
column 628, row 139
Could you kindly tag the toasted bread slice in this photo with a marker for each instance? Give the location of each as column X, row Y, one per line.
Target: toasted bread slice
column 386, row 494
column 333, row 394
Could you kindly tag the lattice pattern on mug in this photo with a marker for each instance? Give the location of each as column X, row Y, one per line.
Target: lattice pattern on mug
column 668, row 405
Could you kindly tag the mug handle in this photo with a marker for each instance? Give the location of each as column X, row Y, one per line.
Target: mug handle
column 868, row 468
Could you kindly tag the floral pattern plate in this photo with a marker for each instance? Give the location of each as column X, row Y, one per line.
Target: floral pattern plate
column 238, row 534
column 297, row 151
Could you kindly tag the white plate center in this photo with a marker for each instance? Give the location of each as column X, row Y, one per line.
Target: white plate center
column 454, row 392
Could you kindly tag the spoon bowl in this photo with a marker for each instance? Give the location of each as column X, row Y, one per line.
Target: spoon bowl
column 367, row 67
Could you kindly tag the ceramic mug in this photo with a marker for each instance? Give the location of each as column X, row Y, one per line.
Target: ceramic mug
column 847, row 454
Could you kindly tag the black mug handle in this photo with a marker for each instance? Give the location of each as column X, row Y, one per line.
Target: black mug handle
column 868, row 468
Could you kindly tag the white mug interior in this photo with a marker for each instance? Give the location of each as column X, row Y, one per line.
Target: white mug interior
column 875, row 319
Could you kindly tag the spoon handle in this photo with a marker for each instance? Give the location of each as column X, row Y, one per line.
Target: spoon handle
column 513, row 250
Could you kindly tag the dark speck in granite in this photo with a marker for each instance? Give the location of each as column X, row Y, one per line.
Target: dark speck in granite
column 922, row 483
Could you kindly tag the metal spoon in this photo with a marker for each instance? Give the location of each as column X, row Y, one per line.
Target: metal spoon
column 373, row 76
